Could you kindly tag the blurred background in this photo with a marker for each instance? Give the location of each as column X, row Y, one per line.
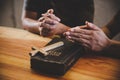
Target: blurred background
column 11, row 10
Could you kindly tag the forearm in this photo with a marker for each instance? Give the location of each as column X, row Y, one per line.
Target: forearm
column 31, row 25
column 113, row 27
column 113, row 49
column 106, row 31
column 62, row 28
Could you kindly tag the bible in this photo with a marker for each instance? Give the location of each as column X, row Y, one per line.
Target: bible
column 56, row 58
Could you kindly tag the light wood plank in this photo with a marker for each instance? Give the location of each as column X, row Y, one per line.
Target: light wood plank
column 15, row 45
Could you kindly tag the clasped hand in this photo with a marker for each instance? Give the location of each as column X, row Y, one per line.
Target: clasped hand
column 48, row 23
column 88, row 35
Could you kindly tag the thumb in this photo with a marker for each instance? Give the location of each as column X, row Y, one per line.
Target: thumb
column 50, row 11
column 92, row 26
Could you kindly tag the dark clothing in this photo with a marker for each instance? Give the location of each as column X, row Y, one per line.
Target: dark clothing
column 71, row 12
column 114, row 25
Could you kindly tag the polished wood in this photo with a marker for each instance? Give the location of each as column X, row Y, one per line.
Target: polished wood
column 15, row 45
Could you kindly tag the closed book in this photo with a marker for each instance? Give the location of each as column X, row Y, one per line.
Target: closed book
column 59, row 60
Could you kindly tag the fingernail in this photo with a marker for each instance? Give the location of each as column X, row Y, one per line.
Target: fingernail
column 69, row 37
column 86, row 22
column 90, row 24
column 50, row 11
column 41, row 19
column 42, row 14
column 72, row 29
column 58, row 19
column 67, row 33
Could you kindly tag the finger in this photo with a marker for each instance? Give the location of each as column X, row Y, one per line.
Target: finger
column 92, row 26
column 82, row 27
column 73, row 29
column 48, row 26
column 52, row 16
column 80, row 40
column 41, row 19
column 45, row 15
column 76, row 40
column 69, row 38
column 40, row 30
column 86, row 45
column 78, row 35
column 45, row 26
column 50, row 11
column 78, row 27
column 67, row 33
column 50, row 21
column 81, row 31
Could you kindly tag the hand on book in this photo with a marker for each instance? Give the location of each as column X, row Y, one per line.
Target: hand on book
column 90, row 36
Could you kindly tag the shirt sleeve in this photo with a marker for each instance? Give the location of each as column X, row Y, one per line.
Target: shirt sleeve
column 114, row 25
column 32, row 5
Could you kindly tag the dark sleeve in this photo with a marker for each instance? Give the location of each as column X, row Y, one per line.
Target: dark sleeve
column 76, row 12
column 39, row 6
column 114, row 25
column 32, row 5
column 87, row 10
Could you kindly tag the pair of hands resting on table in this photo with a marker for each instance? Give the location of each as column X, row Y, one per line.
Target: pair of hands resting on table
column 88, row 35
column 93, row 38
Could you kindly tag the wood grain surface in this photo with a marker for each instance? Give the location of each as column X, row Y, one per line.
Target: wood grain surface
column 15, row 45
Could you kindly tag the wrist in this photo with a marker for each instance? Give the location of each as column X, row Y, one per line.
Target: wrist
column 112, row 43
column 62, row 28
column 107, row 44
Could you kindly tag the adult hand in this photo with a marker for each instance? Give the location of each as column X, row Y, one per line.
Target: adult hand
column 49, row 20
column 51, row 27
column 89, row 36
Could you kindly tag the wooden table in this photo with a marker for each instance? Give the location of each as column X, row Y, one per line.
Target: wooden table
column 15, row 45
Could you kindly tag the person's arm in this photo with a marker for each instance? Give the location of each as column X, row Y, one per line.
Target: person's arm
column 89, row 36
column 93, row 38
column 113, row 49
column 113, row 27
column 30, row 22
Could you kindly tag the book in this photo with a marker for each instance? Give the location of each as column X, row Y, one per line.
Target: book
column 56, row 58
